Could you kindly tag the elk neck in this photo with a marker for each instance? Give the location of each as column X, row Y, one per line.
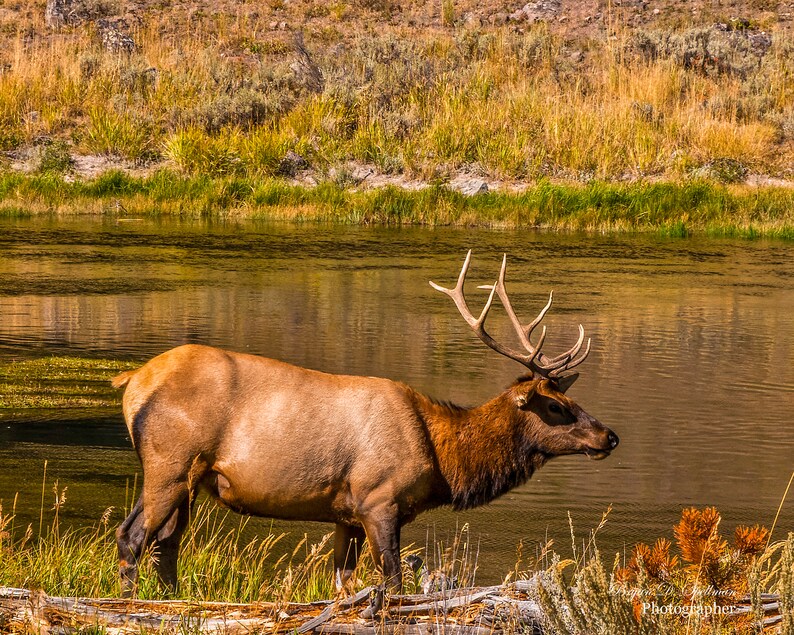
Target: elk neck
column 481, row 452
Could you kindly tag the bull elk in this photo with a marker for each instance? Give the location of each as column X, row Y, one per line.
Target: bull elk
column 270, row 439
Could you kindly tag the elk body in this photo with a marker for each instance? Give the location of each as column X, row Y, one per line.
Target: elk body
column 270, row 439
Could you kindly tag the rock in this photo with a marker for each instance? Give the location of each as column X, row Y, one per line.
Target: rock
column 722, row 169
column 472, row 21
column 518, row 16
column 469, row 186
column 760, row 42
column 56, row 13
column 291, row 164
column 361, row 173
column 499, row 19
column 542, row 11
column 115, row 37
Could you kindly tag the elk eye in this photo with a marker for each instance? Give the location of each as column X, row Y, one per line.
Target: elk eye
column 555, row 408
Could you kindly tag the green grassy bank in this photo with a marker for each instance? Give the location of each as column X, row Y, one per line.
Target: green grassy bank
column 670, row 208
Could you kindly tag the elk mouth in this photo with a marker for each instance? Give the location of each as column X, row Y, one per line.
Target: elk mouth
column 596, row 454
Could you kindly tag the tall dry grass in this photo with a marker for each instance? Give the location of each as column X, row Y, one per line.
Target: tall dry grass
column 223, row 99
column 579, row 594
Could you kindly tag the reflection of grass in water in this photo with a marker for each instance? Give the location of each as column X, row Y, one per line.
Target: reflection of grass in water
column 58, row 382
column 674, row 209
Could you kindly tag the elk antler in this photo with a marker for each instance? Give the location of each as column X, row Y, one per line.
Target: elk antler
column 533, row 358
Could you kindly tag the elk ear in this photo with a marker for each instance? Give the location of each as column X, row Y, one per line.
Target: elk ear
column 522, row 399
column 564, row 383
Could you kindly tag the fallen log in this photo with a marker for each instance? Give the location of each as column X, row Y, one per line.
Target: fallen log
column 454, row 612
column 494, row 610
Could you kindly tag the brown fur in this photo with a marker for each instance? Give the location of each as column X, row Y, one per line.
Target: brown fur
column 369, row 454
column 122, row 379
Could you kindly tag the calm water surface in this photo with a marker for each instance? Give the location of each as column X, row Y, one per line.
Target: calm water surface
column 693, row 344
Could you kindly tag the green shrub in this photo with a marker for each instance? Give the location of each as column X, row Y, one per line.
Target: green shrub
column 196, row 152
column 120, row 135
column 56, row 158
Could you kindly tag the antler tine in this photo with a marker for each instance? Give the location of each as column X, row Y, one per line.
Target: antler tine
column 459, row 298
column 573, row 363
column 523, row 332
column 531, row 326
column 533, row 359
column 570, row 353
column 478, row 324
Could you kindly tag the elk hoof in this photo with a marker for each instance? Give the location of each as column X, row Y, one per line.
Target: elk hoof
column 376, row 601
column 129, row 576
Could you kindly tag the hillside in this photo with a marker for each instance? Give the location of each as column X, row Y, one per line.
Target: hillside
column 380, row 91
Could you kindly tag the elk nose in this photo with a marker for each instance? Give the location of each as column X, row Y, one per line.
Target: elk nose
column 613, row 440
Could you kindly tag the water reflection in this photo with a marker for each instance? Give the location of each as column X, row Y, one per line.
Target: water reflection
column 692, row 360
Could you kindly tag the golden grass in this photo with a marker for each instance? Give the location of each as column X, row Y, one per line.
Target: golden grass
column 224, row 100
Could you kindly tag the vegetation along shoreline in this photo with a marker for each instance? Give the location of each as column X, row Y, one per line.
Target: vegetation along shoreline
column 674, row 209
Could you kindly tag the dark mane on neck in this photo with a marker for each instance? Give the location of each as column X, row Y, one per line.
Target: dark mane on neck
column 480, row 452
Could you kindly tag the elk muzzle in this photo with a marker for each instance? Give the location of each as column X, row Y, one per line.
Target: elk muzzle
column 600, row 441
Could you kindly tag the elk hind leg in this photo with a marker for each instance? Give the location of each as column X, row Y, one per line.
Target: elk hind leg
column 348, row 541
column 383, row 534
column 151, row 514
column 167, row 544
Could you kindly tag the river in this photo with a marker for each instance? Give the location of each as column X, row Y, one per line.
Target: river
column 693, row 344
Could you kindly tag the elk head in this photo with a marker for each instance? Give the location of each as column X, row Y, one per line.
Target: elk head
column 553, row 424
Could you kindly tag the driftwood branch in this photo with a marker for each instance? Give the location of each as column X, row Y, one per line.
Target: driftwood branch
column 455, row 612
column 493, row 610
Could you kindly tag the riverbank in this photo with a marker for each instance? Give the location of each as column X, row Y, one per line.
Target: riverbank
column 589, row 117
column 564, row 595
column 565, row 92
column 675, row 209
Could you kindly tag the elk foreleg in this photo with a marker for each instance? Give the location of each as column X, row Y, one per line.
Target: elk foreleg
column 348, row 541
column 383, row 533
